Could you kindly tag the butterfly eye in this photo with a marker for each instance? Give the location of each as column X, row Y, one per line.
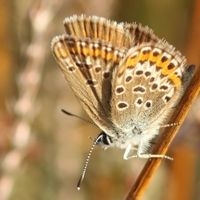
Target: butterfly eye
column 104, row 139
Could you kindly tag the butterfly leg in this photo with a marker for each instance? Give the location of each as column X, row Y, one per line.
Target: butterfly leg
column 147, row 156
column 127, row 153
column 140, row 154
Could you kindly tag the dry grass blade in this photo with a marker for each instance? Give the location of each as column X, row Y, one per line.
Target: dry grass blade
column 149, row 169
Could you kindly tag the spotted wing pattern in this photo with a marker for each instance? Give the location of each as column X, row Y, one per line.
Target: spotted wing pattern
column 148, row 84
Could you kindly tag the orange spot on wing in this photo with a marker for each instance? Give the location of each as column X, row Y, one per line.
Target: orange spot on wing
column 103, row 54
column 97, row 53
column 132, row 61
column 86, row 51
column 109, row 56
column 144, row 57
column 175, row 79
column 165, row 70
column 156, row 59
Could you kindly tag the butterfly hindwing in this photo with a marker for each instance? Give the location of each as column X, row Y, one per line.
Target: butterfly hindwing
column 148, row 84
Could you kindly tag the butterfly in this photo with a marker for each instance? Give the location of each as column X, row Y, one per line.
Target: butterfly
column 127, row 79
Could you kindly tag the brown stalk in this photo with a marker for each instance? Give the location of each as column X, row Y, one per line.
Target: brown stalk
column 138, row 188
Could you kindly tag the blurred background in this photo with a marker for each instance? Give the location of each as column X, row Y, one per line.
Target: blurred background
column 42, row 151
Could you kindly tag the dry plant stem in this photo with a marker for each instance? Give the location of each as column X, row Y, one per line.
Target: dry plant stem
column 151, row 166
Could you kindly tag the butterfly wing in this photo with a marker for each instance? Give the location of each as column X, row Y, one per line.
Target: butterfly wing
column 118, row 34
column 140, row 34
column 98, row 28
column 87, row 55
column 149, row 83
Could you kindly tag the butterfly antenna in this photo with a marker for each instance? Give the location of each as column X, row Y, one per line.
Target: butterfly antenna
column 73, row 115
column 86, row 164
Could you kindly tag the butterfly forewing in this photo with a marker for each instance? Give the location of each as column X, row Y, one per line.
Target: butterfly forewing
column 98, row 28
column 88, row 67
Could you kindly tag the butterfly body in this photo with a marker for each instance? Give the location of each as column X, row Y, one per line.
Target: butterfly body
column 126, row 78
